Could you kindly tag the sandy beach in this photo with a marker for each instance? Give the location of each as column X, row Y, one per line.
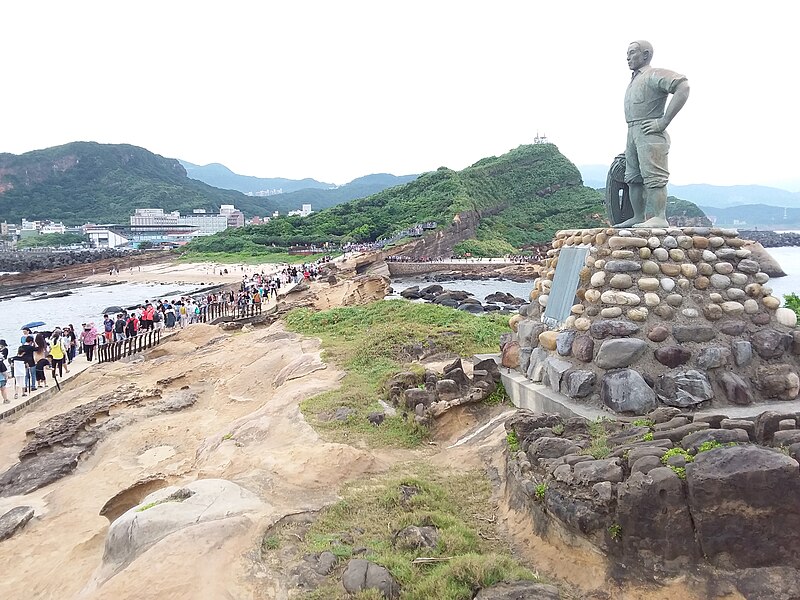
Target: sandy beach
column 180, row 272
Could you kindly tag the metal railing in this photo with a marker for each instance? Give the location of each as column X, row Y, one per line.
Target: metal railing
column 219, row 310
column 144, row 340
column 133, row 345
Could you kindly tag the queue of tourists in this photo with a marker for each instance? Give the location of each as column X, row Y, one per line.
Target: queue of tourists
column 54, row 351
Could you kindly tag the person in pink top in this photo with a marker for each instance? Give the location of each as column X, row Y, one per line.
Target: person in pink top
column 89, row 339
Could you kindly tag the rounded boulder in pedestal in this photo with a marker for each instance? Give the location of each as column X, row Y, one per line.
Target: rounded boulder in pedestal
column 626, row 390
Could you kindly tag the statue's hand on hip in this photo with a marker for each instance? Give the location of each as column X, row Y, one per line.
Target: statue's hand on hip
column 654, row 126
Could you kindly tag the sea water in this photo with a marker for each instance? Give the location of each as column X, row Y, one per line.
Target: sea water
column 84, row 305
column 788, row 258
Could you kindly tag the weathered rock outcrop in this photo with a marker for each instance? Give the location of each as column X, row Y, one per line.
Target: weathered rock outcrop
column 56, row 445
column 14, row 520
column 169, row 510
column 440, row 394
column 701, row 499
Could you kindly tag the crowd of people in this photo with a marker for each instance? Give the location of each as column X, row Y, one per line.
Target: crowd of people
column 36, row 354
column 54, row 351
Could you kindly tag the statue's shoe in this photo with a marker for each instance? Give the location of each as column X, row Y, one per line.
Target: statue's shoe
column 629, row 223
column 654, row 222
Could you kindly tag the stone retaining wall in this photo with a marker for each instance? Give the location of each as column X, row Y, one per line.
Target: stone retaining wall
column 679, row 316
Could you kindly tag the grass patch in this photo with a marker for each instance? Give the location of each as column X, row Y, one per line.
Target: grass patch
column 372, row 343
column 599, row 447
column 177, row 496
column 513, row 441
column 458, row 504
column 541, row 490
column 272, row 542
column 498, row 396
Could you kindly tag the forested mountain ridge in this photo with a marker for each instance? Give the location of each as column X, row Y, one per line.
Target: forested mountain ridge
column 320, row 198
column 103, row 183
column 519, row 198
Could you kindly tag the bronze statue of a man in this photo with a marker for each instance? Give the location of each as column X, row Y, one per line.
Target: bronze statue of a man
column 647, row 149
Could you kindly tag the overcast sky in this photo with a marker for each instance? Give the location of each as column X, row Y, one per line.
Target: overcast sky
column 335, row 90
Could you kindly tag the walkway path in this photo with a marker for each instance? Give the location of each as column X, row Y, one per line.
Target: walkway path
column 79, row 365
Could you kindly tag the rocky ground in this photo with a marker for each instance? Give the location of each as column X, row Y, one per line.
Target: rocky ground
column 190, row 472
column 668, row 496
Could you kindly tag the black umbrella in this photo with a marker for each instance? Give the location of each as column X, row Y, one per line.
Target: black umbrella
column 113, row 309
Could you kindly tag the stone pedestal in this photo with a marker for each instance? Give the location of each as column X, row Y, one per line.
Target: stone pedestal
column 682, row 317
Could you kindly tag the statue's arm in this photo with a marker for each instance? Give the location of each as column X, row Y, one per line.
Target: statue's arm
column 679, row 98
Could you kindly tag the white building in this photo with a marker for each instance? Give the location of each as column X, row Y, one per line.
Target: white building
column 207, row 223
column 235, row 217
column 303, row 212
column 106, row 236
column 154, row 216
column 51, row 227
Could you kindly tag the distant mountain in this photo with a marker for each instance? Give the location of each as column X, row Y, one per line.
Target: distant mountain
column 222, row 177
column 719, row 196
column 750, row 216
column 358, row 188
column 103, row 183
column 703, row 194
column 594, row 176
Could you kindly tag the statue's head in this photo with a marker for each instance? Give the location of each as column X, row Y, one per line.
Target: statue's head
column 640, row 53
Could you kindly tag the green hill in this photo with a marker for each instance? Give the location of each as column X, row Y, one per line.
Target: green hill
column 516, row 199
column 103, row 183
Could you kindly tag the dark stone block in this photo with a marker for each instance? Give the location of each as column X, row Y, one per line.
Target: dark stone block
column 693, row 333
column 583, row 348
column 732, row 327
column 738, row 500
column 612, row 328
column 653, row 515
column 625, row 390
column 770, row 343
column 672, row 356
column 684, row 389
column 736, row 390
